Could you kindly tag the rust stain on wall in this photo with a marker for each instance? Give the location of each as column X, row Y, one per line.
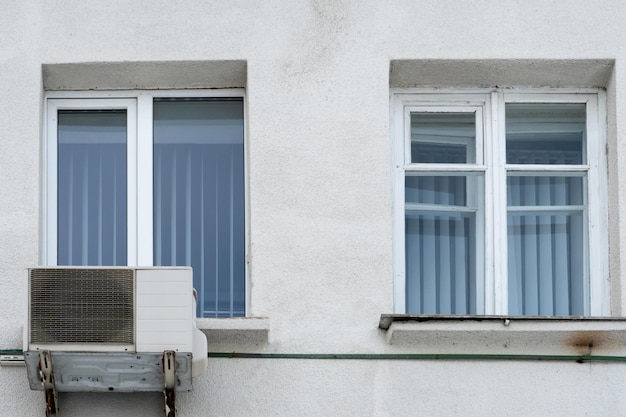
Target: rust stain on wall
column 585, row 342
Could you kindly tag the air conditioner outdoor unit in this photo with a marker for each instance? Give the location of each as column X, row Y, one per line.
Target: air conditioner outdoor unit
column 112, row 329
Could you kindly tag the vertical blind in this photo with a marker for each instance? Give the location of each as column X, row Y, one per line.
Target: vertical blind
column 199, row 198
column 545, row 245
column 546, row 210
column 443, row 257
column 546, row 213
column 440, row 242
column 91, row 224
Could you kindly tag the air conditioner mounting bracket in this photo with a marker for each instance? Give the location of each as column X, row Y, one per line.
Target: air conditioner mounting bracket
column 47, row 381
column 169, row 382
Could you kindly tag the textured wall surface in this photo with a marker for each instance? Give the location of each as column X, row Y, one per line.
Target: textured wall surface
column 317, row 79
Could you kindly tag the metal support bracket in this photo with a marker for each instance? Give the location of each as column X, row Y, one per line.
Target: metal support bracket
column 169, row 382
column 47, row 381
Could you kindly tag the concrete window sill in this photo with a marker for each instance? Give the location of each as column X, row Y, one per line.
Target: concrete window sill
column 598, row 336
column 235, row 332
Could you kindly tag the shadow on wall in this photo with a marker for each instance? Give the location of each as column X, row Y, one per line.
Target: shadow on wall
column 144, row 404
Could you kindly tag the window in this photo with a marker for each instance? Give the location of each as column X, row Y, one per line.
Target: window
column 500, row 202
column 150, row 178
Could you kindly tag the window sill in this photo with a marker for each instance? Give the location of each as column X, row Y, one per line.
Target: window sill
column 598, row 336
column 235, row 331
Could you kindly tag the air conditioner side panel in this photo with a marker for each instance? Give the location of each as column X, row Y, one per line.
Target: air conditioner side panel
column 164, row 309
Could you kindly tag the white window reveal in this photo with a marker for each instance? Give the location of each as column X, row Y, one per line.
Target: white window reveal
column 500, row 203
column 154, row 179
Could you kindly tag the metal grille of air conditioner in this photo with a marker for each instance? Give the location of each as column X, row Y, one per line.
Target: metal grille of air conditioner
column 76, row 305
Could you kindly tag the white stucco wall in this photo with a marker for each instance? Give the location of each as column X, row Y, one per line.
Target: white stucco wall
column 317, row 79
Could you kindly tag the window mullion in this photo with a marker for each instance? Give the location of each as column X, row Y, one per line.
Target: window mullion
column 498, row 176
column 143, row 198
column 132, row 186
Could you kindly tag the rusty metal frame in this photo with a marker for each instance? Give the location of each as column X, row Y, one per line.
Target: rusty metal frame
column 169, row 382
column 47, row 381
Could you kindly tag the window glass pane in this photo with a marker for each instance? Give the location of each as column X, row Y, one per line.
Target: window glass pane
column 199, row 198
column 545, row 133
column 444, row 237
column 443, row 138
column 528, row 190
column 546, row 245
column 91, row 228
column 447, row 190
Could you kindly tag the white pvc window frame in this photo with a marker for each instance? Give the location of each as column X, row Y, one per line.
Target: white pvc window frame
column 491, row 148
column 50, row 147
column 139, row 107
column 474, row 152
